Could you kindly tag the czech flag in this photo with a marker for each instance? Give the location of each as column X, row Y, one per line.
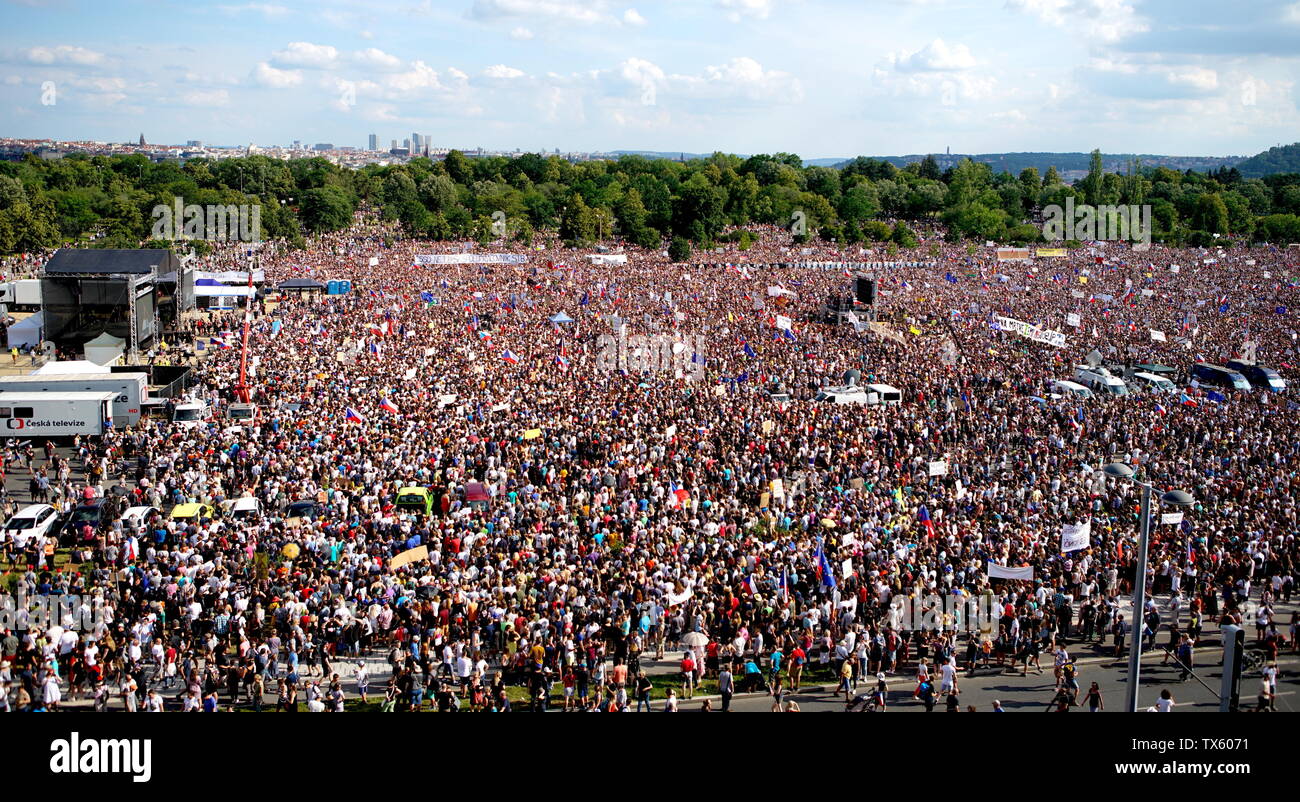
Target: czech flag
column 562, row 362
column 350, row 414
column 1161, row 409
column 923, row 515
column 384, row 403
column 509, row 356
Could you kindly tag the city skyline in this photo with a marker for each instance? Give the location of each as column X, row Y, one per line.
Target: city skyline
column 742, row 76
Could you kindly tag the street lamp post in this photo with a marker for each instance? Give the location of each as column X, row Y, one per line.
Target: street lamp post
column 1176, row 498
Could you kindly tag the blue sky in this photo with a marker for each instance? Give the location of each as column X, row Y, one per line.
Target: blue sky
column 816, row 77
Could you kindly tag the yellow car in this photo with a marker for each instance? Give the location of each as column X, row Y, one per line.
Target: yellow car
column 191, row 512
column 415, row 499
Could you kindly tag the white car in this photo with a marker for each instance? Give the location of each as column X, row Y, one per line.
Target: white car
column 136, row 517
column 239, row 508
column 29, row 523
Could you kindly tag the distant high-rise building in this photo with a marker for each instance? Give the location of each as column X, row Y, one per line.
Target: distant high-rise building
column 141, row 140
column 394, row 145
column 194, row 143
column 297, row 144
column 415, row 142
column 406, row 145
column 324, row 146
column 374, row 142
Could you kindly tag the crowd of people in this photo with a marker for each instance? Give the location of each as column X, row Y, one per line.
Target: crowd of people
column 587, row 520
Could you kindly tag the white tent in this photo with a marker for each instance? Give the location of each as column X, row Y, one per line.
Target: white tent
column 70, row 366
column 105, row 349
column 27, row 331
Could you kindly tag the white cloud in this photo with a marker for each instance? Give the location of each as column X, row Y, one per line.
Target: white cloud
column 214, row 98
column 1196, row 78
column 306, row 54
column 377, row 59
column 1107, row 20
column 502, row 71
column 64, row 54
column 631, row 17
column 555, row 10
column 739, row 9
column 266, row 75
column 937, row 56
column 521, row 34
column 265, row 9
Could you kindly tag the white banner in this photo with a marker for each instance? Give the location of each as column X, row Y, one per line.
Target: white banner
column 1075, row 537
column 1073, row 320
column 783, row 322
column 1171, row 518
column 229, row 276
column 674, row 599
column 1002, row 572
column 846, row 569
column 1030, row 331
column 470, row 259
column 1157, row 336
column 938, row 468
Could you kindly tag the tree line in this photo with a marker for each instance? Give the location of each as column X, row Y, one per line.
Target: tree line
column 107, row 201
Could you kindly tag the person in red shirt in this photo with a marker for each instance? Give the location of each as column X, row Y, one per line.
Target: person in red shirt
column 688, row 676
column 797, row 659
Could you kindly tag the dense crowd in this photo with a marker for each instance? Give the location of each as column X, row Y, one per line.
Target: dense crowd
column 636, row 514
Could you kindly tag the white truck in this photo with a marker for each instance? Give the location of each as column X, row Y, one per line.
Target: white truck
column 1100, row 380
column 26, row 294
column 130, row 389
column 55, row 414
column 190, row 414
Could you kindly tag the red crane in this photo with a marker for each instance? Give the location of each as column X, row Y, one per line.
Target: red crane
column 242, row 393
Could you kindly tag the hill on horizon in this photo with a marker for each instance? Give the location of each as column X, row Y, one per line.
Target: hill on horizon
column 1281, row 159
column 1064, row 162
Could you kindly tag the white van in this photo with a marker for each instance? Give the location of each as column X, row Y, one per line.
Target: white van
column 1071, row 389
column 842, row 395
column 1153, row 383
column 1100, row 380
column 884, row 394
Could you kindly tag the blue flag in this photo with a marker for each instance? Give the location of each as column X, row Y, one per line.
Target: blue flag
column 824, row 567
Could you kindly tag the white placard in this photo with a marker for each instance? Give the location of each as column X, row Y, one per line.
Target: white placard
column 938, row 468
column 1002, row 572
column 1171, row 518
column 1075, row 537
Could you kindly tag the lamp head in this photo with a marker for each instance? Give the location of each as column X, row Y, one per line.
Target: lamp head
column 1119, row 470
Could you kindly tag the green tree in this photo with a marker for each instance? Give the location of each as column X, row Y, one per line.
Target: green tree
column 325, row 209
column 679, row 250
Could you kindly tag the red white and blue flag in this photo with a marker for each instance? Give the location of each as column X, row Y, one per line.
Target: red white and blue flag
column 350, row 414
column 509, row 356
column 384, row 403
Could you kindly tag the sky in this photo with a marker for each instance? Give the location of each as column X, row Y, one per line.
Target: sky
column 820, row 78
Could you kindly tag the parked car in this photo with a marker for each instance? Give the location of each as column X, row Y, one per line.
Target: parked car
column 29, row 523
column 240, row 508
column 91, row 513
column 306, row 508
column 135, row 518
column 192, row 512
